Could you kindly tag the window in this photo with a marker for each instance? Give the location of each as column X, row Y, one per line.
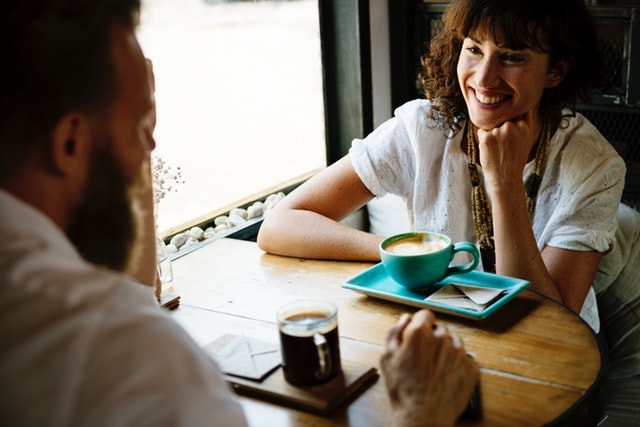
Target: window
column 239, row 100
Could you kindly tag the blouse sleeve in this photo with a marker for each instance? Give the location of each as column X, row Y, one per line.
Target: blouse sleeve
column 385, row 159
column 584, row 194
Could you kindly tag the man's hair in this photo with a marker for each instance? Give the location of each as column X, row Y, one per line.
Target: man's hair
column 562, row 28
column 55, row 59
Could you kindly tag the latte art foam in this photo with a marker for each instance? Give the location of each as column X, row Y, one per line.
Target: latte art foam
column 416, row 246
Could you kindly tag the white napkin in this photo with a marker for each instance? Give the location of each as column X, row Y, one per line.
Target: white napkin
column 245, row 357
column 476, row 298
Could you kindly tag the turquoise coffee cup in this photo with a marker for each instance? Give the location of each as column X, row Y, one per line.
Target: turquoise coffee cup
column 419, row 259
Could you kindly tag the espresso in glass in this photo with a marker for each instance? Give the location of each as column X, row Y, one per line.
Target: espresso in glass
column 309, row 342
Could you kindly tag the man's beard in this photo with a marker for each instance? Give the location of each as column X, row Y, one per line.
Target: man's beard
column 104, row 228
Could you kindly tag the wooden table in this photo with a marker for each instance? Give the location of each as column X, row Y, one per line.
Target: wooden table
column 539, row 361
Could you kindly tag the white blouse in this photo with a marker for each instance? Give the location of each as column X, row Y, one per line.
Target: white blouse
column 417, row 159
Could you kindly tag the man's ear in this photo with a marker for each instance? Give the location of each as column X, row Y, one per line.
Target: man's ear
column 69, row 144
column 557, row 73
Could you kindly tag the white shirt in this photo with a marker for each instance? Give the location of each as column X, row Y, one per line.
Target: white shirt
column 83, row 346
column 416, row 158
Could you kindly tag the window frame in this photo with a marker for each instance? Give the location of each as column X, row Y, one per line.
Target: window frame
column 348, row 100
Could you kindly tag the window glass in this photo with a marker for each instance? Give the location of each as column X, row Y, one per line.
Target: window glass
column 239, row 100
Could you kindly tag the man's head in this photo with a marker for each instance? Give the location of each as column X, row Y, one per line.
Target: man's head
column 75, row 104
column 56, row 59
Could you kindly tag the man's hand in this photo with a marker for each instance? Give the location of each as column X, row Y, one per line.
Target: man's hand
column 428, row 374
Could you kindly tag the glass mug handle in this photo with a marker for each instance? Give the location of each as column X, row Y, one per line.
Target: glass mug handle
column 323, row 355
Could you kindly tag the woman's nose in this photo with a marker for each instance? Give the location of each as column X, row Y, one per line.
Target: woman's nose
column 488, row 72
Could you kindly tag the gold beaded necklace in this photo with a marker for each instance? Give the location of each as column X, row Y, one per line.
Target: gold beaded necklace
column 482, row 218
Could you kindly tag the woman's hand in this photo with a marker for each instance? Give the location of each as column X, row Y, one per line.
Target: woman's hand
column 506, row 149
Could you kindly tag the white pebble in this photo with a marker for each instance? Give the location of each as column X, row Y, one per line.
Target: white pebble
column 179, row 239
column 221, row 227
column 196, row 232
column 190, row 242
column 222, row 219
column 273, row 200
column 238, row 211
column 235, row 220
column 270, row 198
column 255, row 211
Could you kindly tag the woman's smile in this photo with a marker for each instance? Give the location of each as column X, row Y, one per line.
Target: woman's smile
column 488, row 99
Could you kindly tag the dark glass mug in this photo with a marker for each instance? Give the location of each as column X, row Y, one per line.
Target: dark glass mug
column 309, row 342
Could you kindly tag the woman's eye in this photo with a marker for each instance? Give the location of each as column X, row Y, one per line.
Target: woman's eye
column 512, row 58
column 473, row 50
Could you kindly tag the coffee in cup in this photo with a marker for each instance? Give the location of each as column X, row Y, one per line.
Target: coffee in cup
column 309, row 342
column 416, row 244
column 419, row 259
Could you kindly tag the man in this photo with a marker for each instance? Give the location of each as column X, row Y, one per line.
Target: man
column 83, row 343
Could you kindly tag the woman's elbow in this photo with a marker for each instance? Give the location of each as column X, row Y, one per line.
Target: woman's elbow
column 267, row 235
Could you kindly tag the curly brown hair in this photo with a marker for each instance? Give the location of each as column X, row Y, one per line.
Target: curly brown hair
column 562, row 28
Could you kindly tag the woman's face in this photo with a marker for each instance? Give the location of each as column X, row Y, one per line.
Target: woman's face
column 501, row 84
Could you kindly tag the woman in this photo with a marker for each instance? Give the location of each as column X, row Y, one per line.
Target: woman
column 495, row 154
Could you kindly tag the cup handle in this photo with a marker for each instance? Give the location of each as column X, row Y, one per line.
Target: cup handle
column 323, row 355
column 464, row 247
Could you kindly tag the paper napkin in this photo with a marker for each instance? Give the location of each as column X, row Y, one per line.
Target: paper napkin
column 476, row 298
column 245, row 357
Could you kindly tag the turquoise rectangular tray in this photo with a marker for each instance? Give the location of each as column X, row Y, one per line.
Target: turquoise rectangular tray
column 376, row 283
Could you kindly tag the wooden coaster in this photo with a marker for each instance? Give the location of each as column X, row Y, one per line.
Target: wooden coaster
column 320, row 399
column 169, row 301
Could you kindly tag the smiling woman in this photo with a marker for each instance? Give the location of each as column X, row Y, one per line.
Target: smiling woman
column 239, row 98
column 552, row 232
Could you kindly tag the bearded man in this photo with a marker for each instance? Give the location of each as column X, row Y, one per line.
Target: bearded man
column 83, row 342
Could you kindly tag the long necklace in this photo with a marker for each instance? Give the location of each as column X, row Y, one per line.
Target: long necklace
column 480, row 208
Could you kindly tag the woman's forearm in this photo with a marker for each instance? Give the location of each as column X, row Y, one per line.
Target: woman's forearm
column 517, row 252
column 306, row 234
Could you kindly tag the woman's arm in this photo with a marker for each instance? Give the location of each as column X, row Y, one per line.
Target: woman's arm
column 563, row 275
column 305, row 224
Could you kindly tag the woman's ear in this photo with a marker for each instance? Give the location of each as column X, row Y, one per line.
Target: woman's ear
column 68, row 144
column 557, row 73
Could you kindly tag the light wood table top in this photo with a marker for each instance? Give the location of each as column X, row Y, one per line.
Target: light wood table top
column 539, row 361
